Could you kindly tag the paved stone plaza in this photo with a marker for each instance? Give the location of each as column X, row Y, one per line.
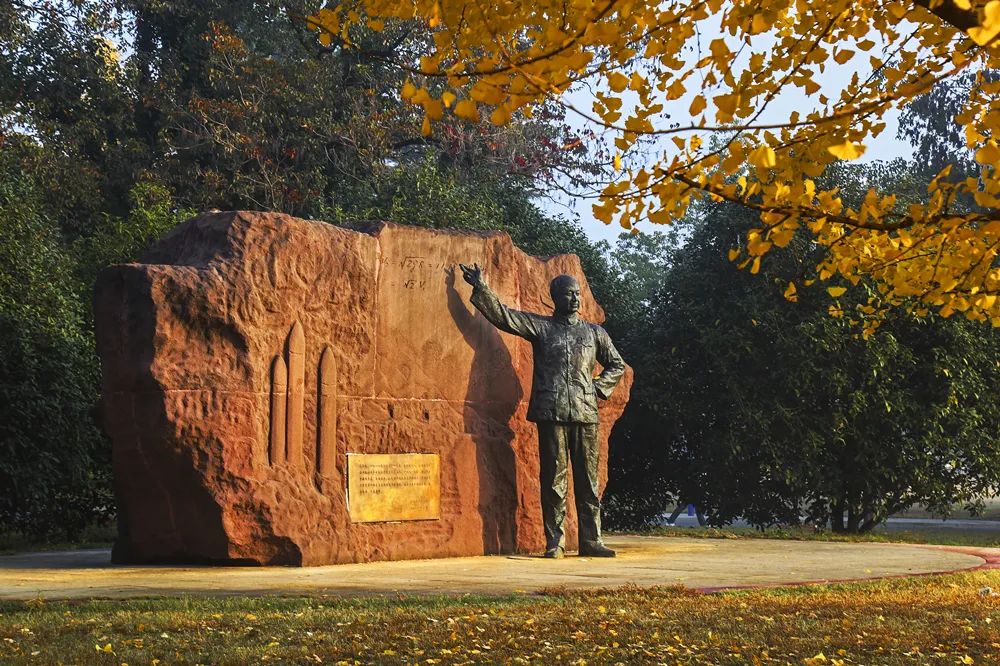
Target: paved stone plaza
column 702, row 564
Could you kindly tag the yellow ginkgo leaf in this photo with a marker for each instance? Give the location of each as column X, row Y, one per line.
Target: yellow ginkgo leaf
column 618, row 161
column 984, row 33
column 433, row 108
column 847, row 150
column 843, row 55
column 500, row 116
column 763, row 156
column 790, row 293
column 836, row 292
column 989, row 154
column 727, row 103
column 467, row 109
column 617, row 81
column 697, row 105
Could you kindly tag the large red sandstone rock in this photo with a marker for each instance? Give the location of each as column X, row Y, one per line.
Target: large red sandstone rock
column 192, row 339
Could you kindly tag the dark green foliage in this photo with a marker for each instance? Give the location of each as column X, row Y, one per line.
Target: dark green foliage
column 115, row 240
column 54, row 464
column 778, row 413
column 424, row 195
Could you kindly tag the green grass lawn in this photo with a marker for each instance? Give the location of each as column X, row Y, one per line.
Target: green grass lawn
column 926, row 620
column 929, row 620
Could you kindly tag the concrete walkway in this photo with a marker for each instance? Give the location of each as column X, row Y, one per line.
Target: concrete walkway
column 704, row 564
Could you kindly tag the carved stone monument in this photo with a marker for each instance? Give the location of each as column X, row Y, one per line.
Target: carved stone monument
column 281, row 391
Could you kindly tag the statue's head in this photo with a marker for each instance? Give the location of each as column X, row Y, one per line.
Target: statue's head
column 565, row 292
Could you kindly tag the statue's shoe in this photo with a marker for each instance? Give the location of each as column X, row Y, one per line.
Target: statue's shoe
column 554, row 553
column 596, row 550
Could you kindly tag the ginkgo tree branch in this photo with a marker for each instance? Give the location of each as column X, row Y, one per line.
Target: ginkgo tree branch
column 798, row 211
column 901, row 221
column 950, row 12
column 507, row 58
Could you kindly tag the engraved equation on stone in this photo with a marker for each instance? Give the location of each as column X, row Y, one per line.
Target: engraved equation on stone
column 417, row 273
column 389, row 487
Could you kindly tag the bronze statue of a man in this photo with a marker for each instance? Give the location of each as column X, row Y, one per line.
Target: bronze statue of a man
column 563, row 402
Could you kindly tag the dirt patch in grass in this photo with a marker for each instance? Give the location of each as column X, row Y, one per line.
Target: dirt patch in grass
column 942, row 619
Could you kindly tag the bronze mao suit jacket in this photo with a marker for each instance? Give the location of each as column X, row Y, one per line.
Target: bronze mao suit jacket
column 565, row 350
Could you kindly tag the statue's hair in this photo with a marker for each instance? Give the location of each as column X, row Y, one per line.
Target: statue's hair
column 561, row 282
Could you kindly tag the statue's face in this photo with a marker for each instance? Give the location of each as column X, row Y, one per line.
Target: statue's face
column 566, row 297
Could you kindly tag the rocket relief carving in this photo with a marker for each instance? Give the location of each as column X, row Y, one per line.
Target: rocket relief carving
column 287, row 405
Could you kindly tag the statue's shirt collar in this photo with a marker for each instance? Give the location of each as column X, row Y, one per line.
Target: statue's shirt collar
column 569, row 320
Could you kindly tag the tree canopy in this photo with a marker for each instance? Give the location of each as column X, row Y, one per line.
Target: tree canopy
column 732, row 101
column 753, row 407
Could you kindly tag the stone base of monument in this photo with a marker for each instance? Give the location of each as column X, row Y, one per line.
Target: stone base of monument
column 283, row 391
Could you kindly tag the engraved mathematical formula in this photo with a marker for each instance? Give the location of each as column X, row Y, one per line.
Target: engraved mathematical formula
column 417, row 272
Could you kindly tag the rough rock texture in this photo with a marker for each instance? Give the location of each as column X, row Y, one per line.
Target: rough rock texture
column 234, row 319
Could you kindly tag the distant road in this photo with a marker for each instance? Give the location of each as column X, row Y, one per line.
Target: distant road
column 937, row 523
column 894, row 524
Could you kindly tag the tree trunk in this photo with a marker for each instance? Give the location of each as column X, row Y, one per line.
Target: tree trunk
column 853, row 519
column 837, row 517
column 872, row 519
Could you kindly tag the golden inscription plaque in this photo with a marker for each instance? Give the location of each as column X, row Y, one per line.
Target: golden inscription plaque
column 393, row 486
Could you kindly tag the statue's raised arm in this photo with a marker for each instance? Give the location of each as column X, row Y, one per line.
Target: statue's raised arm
column 506, row 319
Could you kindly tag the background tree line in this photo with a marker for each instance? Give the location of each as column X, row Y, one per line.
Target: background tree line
column 770, row 405
column 120, row 119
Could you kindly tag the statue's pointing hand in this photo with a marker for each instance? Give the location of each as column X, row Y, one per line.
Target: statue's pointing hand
column 473, row 275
